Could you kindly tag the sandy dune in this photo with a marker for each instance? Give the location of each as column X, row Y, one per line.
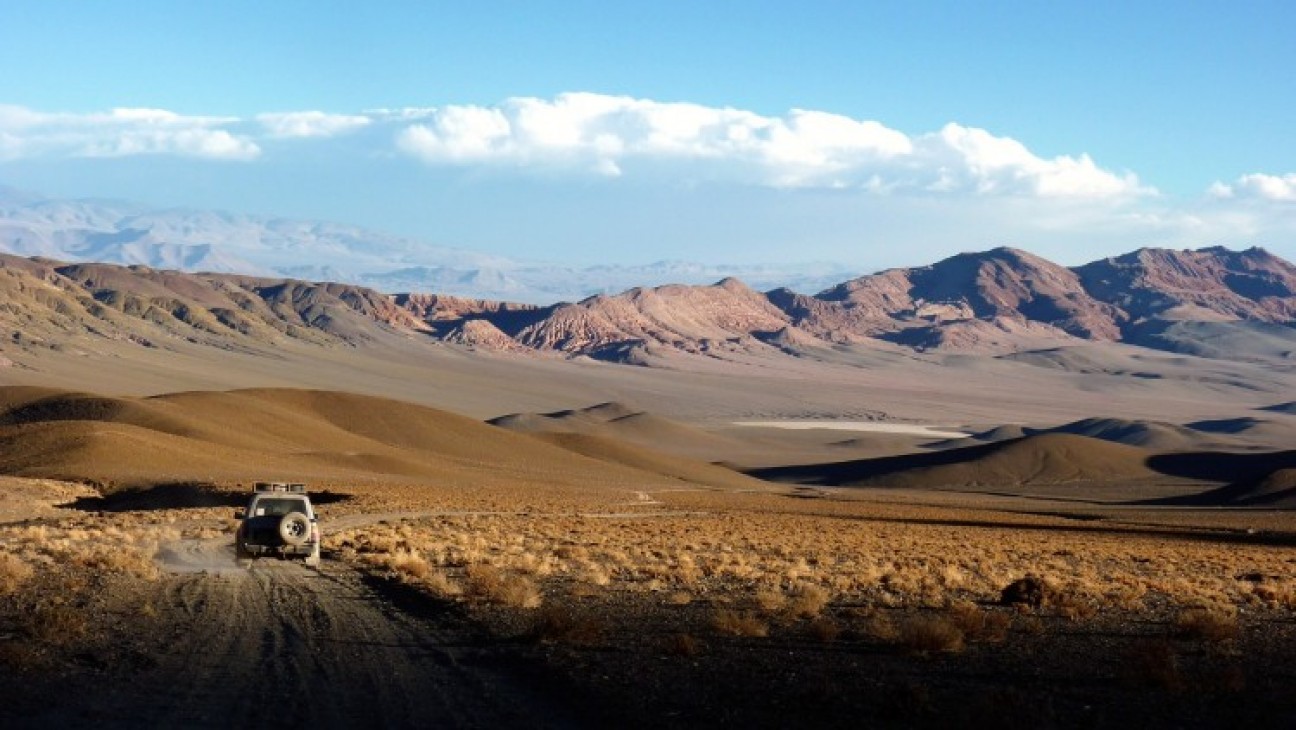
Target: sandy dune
column 1083, row 466
column 323, row 437
column 1038, row 459
column 623, row 422
column 655, row 462
column 1276, row 430
column 929, row 388
column 746, row 443
column 1151, row 435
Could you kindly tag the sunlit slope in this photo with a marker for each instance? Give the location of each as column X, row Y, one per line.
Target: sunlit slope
column 619, row 452
column 325, row 437
column 622, row 422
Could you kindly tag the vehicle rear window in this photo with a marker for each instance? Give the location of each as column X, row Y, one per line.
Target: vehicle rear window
column 278, row 507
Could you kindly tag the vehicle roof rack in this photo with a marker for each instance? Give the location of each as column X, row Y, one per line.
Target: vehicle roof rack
column 280, row 487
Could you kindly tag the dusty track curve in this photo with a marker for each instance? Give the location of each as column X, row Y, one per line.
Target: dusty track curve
column 276, row 644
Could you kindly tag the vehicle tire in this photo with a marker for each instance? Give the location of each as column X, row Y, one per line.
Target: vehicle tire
column 294, row 528
column 240, row 553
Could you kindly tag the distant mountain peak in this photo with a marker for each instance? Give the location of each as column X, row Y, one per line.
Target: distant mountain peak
column 733, row 283
column 1156, row 282
column 1000, row 301
column 195, row 240
column 997, row 300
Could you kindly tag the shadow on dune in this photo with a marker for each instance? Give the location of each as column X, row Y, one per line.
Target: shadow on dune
column 1252, row 480
column 1214, row 466
column 841, row 472
column 180, row 495
column 1224, row 479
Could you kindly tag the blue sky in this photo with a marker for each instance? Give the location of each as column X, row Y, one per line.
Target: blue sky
column 872, row 134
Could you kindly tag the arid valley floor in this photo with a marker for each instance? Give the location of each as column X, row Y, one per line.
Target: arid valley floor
column 1083, row 533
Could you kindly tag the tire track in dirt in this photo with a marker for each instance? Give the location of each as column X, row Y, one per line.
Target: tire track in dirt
column 277, row 644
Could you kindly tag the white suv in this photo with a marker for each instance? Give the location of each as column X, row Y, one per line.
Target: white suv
column 279, row 520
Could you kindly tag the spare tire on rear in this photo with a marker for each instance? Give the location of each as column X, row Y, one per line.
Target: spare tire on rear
column 294, row 528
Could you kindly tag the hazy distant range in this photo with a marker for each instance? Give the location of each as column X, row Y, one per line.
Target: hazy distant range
column 195, row 240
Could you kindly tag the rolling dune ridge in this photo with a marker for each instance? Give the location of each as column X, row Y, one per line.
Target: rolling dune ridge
column 323, row 437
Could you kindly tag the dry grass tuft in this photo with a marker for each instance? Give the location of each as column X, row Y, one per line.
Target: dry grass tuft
column 56, row 624
column 978, row 624
column 485, row 581
column 769, row 599
column 808, row 601
column 1207, row 624
column 14, row 571
column 597, row 576
column 109, row 559
column 995, row 627
column 1073, row 605
column 967, row 616
column 930, row 634
column 679, row 598
column 409, row 566
column 878, row 627
column 441, row 585
column 733, row 623
column 1270, row 591
column 1030, row 624
column 502, row 587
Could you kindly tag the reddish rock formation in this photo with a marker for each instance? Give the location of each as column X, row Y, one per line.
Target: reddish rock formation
column 995, row 301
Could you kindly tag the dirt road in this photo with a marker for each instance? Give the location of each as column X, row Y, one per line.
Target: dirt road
column 277, row 644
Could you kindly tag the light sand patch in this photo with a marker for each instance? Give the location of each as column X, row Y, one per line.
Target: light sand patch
column 910, row 429
column 214, row 556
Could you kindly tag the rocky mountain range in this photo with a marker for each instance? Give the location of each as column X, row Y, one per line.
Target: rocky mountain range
column 210, row 241
column 1214, row 302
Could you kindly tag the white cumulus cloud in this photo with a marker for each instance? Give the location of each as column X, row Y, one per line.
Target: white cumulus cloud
column 462, row 134
column 621, row 135
column 120, row 133
column 803, row 148
column 1258, row 186
column 965, row 158
column 310, row 123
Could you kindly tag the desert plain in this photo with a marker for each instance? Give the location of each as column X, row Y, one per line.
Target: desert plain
column 969, row 519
